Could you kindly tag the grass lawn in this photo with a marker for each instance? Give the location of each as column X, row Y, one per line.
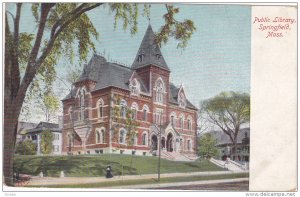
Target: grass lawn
column 147, row 181
column 95, row 166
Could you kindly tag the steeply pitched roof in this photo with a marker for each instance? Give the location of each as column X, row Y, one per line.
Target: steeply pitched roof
column 150, row 51
column 174, row 94
column 105, row 74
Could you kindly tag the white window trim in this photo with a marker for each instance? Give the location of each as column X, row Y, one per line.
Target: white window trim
column 181, row 123
column 161, row 100
column 123, row 103
column 147, row 138
column 174, row 119
column 125, row 135
column 101, row 137
column 189, row 143
column 137, row 87
column 100, row 102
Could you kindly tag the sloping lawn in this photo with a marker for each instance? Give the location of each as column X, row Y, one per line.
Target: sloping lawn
column 94, row 166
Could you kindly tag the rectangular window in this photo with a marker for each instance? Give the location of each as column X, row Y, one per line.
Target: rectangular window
column 55, row 148
column 56, row 136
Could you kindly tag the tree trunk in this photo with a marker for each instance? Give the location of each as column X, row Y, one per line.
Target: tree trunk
column 12, row 109
column 234, row 148
column 10, row 131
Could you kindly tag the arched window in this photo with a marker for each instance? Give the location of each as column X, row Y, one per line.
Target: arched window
column 123, row 105
column 145, row 112
column 181, row 100
column 122, row 136
column 144, row 139
column 100, row 108
column 134, row 140
column 102, row 136
column 189, row 123
column 181, row 121
column 140, row 57
column 159, row 91
column 134, row 109
column 172, row 119
column 135, row 87
column 98, row 136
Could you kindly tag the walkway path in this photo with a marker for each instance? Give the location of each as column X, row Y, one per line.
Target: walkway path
column 178, row 184
column 85, row 180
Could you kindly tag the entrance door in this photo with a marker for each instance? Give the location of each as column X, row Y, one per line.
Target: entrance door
column 170, row 142
column 154, row 142
column 163, row 143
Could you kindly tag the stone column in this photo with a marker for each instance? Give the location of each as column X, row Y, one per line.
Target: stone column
column 38, row 143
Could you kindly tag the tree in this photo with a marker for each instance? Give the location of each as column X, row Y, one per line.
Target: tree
column 207, row 146
column 46, row 142
column 119, row 121
column 228, row 111
column 128, row 122
column 26, row 147
column 30, row 58
column 202, row 122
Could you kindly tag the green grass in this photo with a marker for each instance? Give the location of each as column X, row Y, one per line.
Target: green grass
column 94, row 166
column 147, row 181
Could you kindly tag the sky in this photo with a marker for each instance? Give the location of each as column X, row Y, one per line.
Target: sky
column 216, row 59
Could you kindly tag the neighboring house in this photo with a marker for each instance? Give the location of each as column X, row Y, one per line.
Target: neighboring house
column 36, row 133
column 226, row 148
column 145, row 88
column 23, row 127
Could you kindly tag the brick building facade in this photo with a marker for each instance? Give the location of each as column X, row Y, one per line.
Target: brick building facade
column 161, row 109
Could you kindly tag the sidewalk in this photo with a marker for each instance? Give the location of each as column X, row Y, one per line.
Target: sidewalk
column 86, row 180
column 178, row 184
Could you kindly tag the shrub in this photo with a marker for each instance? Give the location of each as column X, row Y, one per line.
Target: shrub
column 26, row 147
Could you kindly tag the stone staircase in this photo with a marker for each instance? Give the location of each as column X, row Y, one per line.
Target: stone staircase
column 230, row 165
column 175, row 156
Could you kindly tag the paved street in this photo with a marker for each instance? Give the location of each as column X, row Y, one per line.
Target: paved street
column 232, row 186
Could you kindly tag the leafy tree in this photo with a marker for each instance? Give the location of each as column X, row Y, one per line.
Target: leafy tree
column 46, row 142
column 26, row 147
column 32, row 58
column 207, row 146
column 202, row 122
column 228, row 111
column 128, row 122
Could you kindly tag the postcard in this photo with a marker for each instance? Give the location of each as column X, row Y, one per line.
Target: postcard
column 150, row 97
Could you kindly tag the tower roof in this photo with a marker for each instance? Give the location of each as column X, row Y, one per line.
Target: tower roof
column 149, row 52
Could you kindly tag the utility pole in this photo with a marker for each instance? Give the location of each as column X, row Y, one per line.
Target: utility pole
column 159, row 148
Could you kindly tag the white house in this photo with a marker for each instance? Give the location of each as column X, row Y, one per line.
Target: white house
column 36, row 133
